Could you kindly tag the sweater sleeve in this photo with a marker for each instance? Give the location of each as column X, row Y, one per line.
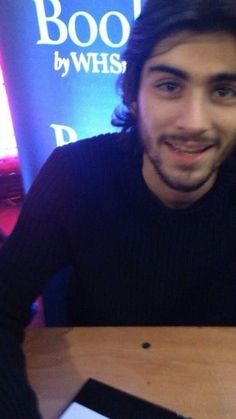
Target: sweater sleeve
column 37, row 247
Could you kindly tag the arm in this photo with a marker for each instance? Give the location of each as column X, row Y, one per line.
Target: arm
column 37, row 247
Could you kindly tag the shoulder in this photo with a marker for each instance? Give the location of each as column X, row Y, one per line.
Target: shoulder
column 91, row 161
column 104, row 149
column 91, row 145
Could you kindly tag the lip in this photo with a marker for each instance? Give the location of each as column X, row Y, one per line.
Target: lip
column 189, row 146
column 188, row 153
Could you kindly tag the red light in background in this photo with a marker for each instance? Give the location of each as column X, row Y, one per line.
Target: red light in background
column 8, row 146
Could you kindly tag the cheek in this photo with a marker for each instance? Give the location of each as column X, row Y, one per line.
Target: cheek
column 158, row 121
column 153, row 115
column 231, row 127
column 156, row 114
column 225, row 122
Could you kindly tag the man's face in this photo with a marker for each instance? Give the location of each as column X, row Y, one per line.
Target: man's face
column 186, row 108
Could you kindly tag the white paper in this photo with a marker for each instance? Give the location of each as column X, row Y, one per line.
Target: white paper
column 77, row 411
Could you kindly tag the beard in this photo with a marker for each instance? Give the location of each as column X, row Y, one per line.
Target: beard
column 176, row 184
column 182, row 177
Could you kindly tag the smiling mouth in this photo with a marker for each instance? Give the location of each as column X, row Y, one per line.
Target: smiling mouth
column 196, row 149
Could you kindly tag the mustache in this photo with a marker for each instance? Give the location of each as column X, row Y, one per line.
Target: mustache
column 190, row 138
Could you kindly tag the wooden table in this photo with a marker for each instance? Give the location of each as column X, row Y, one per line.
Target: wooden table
column 189, row 370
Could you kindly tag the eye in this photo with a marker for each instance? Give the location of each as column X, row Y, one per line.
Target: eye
column 168, row 86
column 169, row 89
column 225, row 92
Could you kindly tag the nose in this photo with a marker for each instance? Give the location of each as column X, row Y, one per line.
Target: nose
column 194, row 115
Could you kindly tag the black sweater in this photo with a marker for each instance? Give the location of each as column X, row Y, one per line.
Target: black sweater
column 136, row 262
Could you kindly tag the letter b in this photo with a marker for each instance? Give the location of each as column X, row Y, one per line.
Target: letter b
column 44, row 20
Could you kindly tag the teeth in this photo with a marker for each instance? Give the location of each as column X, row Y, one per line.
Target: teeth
column 188, row 151
column 182, row 150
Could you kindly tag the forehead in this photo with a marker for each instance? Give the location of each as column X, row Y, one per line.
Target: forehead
column 211, row 52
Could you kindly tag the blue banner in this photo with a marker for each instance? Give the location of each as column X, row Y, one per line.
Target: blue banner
column 61, row 60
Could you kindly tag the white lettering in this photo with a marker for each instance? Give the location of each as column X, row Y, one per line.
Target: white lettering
column 61, row 63
column 116, row 66
column 137, row 8
column 102, row 61
column 92, row 62
column 81, row 61
column 43, row 21
column 92, row 26
column 125, row 29
column 64, row 134
column 54, row 23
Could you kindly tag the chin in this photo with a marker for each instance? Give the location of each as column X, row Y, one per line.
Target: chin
column 180, row 184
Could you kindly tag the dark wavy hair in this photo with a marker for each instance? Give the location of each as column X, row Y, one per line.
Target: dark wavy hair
column 158, row 20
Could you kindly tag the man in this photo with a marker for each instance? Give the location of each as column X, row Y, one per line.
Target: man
column 147, row 217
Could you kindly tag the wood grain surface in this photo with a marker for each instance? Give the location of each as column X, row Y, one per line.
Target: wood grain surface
column 189, row 370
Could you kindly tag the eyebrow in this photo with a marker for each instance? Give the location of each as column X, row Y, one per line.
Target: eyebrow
column 223, row 77
column 162, row 68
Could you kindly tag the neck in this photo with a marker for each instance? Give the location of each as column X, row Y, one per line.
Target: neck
column 170, row 197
